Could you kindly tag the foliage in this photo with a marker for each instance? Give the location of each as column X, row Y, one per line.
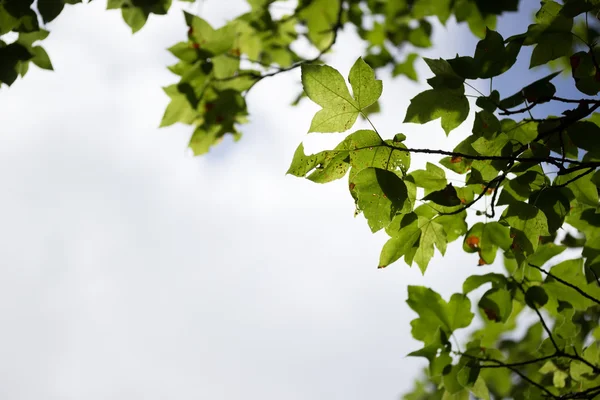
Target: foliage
column 534, row 181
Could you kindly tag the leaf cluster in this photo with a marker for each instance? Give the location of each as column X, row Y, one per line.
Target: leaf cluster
column 517, row 188
column 530, row 178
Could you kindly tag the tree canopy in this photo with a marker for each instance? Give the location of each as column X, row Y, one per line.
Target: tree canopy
column 523, row 185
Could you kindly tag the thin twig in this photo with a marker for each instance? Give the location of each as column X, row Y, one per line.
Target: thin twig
column 562, row 99
column 500, row 364
column 542, row 321
column 575, row 288
column 589, row 171
column 335, row 29
column 496, row 181
column 520, row 110
column 516, row 371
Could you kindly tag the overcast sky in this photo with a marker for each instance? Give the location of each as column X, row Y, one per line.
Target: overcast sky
column 131, row 270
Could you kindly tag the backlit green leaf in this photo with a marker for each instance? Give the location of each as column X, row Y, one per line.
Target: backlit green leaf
column 450, row 105
column 435, row 313
column 381, row 196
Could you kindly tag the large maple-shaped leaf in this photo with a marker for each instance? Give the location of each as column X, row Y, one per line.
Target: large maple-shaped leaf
column 365, row 88
column 326, row 87
column 435, row 313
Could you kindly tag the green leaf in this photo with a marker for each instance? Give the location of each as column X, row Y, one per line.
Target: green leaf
column 50, row 9
column 203, row 139
column 326, row 87
column 583, row 69
column 421, row 35
column 325, row 166
column 539, row 91
column 381, row 196
column 28, row 38
column 446, row 197
column 490, row 147
column 485, row 238
column 365, row 87
column 135, row 17
column 480, row 389
column 11, row 55
column 454, row 225
column 596, row 179
column 487, row 125
column 527, row 224
column 185, row 52
column 581, row 371
column 526, row 185
column 450, row 105
column 367, row 149
column 523, row 133
column 407, row 67
column 554, row 203
column 584, row 135
column 432, row 233
column 496, row 304
column 445, row 76
column 40, row 58
column 225, row 66
column 361, row 149
column 320, row 17
column 475, row 281
column 520, row 270
column 460, row 395
column 536, row 297
column 431, row 179
column 572, row 272
column 551, row 46
column 435, row 313
column 426, row 8
column 489, row 103
column 544, row 253
column 451, row 381
column 492, row 58
column 583, row 188
column 403, row 239
column 179, row 109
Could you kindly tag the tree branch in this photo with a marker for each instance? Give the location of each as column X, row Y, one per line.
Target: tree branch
column 519, row 111
column 589, row 171
column 575, row 288
column 513, row 368
column 500, row 364
column 542, row 321
column 335, row 29
column 580, row 101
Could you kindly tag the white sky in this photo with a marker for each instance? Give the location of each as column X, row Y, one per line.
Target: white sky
column 131, row 270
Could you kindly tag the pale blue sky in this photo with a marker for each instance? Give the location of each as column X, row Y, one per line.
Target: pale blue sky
column 131, row 270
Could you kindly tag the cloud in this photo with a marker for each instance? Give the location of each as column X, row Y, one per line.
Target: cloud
column 134, row 271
